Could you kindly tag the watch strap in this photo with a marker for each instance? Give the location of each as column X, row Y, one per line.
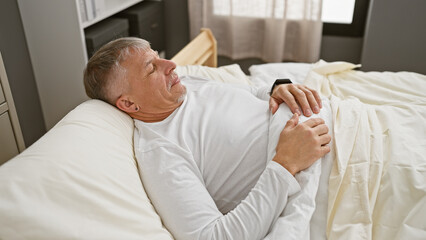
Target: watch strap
column 278, row 82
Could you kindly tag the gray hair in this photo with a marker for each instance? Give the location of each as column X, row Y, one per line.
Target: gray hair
column 104, row 77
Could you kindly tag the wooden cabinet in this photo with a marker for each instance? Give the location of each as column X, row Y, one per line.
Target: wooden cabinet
column 55, row 36
column 11, row 139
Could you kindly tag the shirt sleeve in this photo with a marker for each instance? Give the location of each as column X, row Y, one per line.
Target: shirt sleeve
column 263, row 93
column 176, row 188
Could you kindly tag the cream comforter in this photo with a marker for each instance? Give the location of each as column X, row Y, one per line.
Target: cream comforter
column 377, row 186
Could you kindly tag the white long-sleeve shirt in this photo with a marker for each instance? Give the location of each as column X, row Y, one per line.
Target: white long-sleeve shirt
column 206, row 167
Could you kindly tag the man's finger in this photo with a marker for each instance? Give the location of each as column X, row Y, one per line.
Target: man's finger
column 313, row 122
column 313, row 102
column 293, row 121
column 302, row 100
column 321, row 129
column 317, row 96
column 273, row 105
column 291, row 102
column 324, row 150
column 325, row 139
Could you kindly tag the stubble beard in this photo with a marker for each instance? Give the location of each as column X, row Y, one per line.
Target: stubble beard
column 182, row 96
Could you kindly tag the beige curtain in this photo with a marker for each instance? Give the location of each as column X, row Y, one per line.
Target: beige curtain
column 273, row 30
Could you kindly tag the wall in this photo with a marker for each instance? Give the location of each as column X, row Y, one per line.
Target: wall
column 19, row 69
column 337, row 48
column 395, row 38
column 19, row 72
column 333, row 48
column 343, row 42
column 176, row 26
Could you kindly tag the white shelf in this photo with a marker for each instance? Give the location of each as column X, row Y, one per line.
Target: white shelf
column 111, row 7
column 56, row 42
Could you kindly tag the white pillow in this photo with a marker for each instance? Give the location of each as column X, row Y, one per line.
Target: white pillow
column 324, row 68
column 266, row 74
column 79, row 181
column 228, row 74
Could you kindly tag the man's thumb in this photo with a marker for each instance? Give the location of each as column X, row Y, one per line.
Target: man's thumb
column 294, row 120
column 273, row 105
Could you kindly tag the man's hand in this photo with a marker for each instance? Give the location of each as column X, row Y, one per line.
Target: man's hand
column 300, row 145
column 292, row 94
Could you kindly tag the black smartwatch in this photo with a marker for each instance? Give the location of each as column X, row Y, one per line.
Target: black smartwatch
column 278, row 82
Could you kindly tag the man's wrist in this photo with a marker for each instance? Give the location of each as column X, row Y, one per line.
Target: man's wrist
column 292, row 170
column 289, row 179
column 279, row 82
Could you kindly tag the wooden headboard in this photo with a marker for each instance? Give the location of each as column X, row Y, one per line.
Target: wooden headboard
column 200, row 51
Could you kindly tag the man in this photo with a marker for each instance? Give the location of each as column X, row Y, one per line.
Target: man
column 202, row 147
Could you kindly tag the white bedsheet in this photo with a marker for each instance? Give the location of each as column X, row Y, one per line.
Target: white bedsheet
column 377, row 185
column 311, row 201
column 265, row 74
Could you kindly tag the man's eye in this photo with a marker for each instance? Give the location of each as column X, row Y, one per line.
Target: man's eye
column 153, row 69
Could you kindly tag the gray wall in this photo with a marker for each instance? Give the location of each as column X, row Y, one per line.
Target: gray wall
column 18, row 66
column 176, row 26
column 336, row 48
column 395, row 38
column 19, row 71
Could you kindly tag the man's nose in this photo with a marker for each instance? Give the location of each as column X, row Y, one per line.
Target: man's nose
column 169, row 66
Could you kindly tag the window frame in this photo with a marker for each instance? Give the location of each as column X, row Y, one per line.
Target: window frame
column 354, row 29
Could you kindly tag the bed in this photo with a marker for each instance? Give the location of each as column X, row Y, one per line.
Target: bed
column 80, row 180
column 376, row 184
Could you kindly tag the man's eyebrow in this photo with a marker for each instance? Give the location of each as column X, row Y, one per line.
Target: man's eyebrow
column 149, row 61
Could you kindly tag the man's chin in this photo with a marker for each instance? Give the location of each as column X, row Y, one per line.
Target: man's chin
column 182, row 96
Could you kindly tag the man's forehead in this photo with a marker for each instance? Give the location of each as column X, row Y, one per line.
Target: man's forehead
column 138, row 59
column 149, row 56
column 139, row 55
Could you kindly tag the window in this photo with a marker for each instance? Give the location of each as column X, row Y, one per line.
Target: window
column 292, row 9
column 340, row 17
column 338, row 11
column 344, row 17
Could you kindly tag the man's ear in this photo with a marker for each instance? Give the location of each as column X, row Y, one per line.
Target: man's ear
column 127, row 105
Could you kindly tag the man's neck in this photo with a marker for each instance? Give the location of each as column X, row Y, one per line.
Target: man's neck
column 153, row 117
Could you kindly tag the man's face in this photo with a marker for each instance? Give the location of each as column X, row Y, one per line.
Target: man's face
column 153, row 85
